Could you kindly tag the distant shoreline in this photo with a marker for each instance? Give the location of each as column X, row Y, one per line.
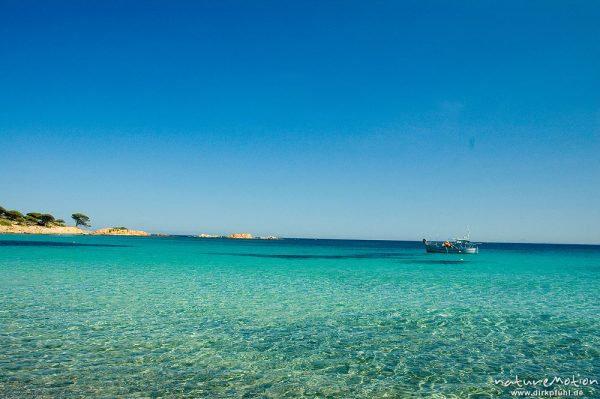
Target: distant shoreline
column 70, row 230
column 110, row 231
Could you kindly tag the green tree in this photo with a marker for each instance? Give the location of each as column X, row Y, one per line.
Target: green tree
column 59, row 222
column 46, row 219
column 2, row 211
column 13, row 215
column 30, row 220
column 81, row 220
column 33, row 218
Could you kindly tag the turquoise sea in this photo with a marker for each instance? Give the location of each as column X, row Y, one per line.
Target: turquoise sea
column 214, row 318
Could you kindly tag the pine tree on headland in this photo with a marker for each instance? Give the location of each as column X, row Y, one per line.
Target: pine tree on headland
column 81, row 220
column 15, row 216
column 46, row 219
column 33, row 218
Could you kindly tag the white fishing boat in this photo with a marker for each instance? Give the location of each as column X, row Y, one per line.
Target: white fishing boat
column 454, row 246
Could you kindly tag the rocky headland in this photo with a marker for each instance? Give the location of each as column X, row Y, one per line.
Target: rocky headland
column 70, row 230
column 16, row 229
column 15, row 222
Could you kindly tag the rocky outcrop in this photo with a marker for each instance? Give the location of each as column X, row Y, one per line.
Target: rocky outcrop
column 245, row 236
column 120, row 231
column 269, row 238
column 18, row 229
column 203, row 235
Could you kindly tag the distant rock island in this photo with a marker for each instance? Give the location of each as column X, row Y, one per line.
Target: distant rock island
column 238, row 236
column 203, row 235
column 243, row 236
column 120, row 231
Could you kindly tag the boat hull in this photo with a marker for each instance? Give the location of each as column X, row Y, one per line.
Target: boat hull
column 449, row 250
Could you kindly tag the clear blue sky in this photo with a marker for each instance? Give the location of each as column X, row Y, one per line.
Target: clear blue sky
column 391, row 120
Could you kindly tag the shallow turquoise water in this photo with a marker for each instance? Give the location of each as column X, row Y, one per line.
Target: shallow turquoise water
column 186, row 317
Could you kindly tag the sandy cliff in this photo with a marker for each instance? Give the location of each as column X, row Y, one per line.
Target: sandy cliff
column 16, row 229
